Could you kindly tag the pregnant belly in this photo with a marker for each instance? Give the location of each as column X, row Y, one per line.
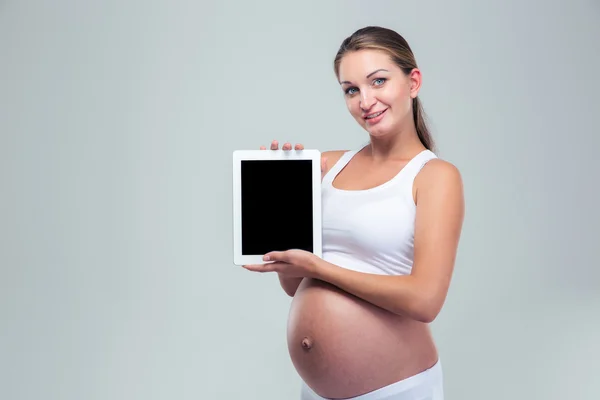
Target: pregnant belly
column 342, row 346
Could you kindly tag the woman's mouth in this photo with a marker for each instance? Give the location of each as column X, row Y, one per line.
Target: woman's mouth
column 375, row 117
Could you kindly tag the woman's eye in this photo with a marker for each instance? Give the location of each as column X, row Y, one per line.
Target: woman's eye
column 379, row 81
column 350, row 90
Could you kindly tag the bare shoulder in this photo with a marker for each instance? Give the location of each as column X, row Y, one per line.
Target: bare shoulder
column 439, row 176
column 439, row 186
column 331, row 157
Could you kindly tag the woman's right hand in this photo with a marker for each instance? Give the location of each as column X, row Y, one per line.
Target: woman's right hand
column 298, row 146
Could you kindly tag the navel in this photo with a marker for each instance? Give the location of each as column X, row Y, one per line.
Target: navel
column 307, row 343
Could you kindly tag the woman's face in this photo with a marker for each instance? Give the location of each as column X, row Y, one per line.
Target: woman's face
column 378, row 94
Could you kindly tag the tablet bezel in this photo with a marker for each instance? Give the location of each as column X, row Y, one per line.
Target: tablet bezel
column 241, row 155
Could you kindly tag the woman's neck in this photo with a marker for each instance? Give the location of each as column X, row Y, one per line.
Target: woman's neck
column 400, row 146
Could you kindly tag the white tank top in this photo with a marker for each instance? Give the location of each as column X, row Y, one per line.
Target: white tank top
column 371, row 230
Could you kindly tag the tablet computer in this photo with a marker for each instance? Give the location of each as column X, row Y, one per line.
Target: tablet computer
column 276, row 203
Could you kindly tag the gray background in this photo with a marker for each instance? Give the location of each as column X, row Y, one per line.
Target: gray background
column 117, row 123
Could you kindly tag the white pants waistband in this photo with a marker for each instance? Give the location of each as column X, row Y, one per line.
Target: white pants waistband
column 426, row 385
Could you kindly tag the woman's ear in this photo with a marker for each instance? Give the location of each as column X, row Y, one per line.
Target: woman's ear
column 415, row 79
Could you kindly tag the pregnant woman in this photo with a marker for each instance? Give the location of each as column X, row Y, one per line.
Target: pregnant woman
column 392, row 217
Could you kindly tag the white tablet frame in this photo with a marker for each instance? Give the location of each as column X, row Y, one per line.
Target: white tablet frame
column 306, row 154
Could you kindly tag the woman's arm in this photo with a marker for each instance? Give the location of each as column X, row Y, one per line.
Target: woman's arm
column 289, row 284
column 438, row 224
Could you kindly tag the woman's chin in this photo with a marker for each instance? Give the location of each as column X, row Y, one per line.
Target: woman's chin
column 377, row 132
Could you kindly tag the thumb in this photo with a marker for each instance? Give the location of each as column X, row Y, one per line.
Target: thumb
column 276, row 256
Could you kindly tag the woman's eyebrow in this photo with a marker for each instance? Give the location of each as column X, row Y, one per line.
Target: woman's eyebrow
column 374, row 72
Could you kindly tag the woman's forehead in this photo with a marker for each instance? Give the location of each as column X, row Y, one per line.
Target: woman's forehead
column 360, row 64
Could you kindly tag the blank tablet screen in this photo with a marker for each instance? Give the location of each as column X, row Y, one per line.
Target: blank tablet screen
column 277, row 206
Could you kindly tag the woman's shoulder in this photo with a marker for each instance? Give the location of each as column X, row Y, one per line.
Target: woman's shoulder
column 441, row 177
column 438, row 168
column 333, row 155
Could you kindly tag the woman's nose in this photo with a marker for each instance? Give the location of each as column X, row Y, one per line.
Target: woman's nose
column 367, row 101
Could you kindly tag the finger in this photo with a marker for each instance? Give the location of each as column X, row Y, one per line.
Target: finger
column 287, row 146
column 268, row 267
column 282, row 256
column 274, row 145
column 299, row 147
column 263, row 148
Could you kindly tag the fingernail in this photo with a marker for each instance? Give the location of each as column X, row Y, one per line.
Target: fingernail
column 266, row 258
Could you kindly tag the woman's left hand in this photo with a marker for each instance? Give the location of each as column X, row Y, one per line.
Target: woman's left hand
column 290, row 263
